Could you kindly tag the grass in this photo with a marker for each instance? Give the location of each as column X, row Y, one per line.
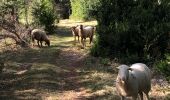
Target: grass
column 63, row 71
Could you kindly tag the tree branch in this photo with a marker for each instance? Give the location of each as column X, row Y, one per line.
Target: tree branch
column 10, row 27
column 3, row 36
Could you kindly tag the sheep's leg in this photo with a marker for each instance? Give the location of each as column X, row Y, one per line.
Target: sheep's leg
column 147, row 96
column 33, row 42
column 141, row 95
column 82, row 42
column 41, row 43
column 134, row 98
column 74, row 38
column 85, row 42
column 78, row 39
column 38, row 43
column 91, row 39
column 122, row 98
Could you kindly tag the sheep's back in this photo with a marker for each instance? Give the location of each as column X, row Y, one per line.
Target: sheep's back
column 77, row 30
column 143, row 75
column 38, row 34
column 88, row 30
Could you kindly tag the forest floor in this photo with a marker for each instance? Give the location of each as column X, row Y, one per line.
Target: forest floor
column 64, row 71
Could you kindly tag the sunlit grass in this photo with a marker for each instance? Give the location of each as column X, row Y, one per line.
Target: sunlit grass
column 68, row 23
column 61, row 41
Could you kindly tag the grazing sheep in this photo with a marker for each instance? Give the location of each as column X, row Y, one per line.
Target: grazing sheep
column 85, row 32
column 40, row 36
column 75, row 30
column 133, row 80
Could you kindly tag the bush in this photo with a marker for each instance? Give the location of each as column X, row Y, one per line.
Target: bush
column 105, row 61
column 83, row 9
column 132, row 27
column 163, row 66
column 44, row 15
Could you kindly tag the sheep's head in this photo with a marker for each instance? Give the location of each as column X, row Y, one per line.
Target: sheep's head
column 80, row 29
column 73, row 28
column 123, row 73
column 47, row 42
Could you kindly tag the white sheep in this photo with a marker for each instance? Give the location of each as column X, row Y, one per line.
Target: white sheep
column 84, row 32
column 133, row 80
column 40, row 36
column 75, row 32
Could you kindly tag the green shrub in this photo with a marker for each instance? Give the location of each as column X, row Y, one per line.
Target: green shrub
column 164, row 67
column 105, row 61
column 83, row 9
column 132, row 27
column 44, row 15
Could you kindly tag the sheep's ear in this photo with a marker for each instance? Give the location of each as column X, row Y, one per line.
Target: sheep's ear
column 123, row 82
column 117, row 67
column 130, row 69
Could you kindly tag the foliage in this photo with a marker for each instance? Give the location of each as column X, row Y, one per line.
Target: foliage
column 44, row 15
column 132, row 27
column 83, row 9
column 10, row 8
column 105, row 61
column 9, row 20
column 164, row 66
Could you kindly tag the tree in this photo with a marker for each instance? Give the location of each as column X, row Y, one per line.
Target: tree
column 132, row 28
column 9, row 14
column 44, row 15
column 83, row 9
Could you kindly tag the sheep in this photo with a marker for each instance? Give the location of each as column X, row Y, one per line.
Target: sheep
column 40, row 36
column 75, row 33
column 85, row 32
column 133, row 80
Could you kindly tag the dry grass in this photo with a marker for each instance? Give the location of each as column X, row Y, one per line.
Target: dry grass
column 68, row 23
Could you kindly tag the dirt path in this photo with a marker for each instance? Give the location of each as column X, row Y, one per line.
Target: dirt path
column 74, row 60
column 73, row 56
column 70, row 88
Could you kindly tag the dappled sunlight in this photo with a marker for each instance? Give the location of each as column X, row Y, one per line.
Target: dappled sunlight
column 8, row 44
column 70, row 23
column 63, row 42
column 21, row 93
column 160, row 91
column 43, row 66
column 100, row 83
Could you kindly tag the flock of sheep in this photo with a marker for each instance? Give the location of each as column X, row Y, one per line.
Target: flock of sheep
column 78, row 31
column 130, row 81
column 83, row 32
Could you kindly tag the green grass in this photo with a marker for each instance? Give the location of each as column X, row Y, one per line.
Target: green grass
column 62, row 71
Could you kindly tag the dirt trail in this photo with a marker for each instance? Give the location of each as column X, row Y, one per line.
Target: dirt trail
column 74, row 59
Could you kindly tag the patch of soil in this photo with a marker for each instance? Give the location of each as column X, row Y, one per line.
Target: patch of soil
column 74, row 90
